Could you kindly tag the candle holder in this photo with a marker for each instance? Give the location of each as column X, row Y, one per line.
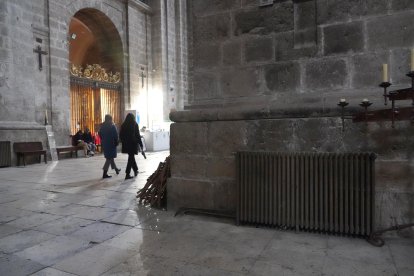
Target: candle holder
column 46, row 121
column 385, row 85
column 365, row 104
column 343, row 104
column 392, row 96
column 411, row 75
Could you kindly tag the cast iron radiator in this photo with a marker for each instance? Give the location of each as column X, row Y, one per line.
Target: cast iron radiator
column 323, row 192
column 5, row 154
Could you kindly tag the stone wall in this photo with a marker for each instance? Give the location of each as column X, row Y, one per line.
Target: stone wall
column 302, row 53
column 269, row 78
column 26, row 93
column 23, row 132
column 203, row 147
column 24, row 90
column 170, row 55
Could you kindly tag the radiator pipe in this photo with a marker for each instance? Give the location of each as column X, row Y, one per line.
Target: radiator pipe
column 375, row 238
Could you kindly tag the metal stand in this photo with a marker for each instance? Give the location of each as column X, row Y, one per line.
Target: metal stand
column 365, row 105
column 343, row 104
column 385, row 85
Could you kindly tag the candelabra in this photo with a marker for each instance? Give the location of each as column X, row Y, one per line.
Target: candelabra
column 393, row 114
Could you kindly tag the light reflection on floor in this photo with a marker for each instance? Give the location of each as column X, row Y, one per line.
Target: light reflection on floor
column 63, row 219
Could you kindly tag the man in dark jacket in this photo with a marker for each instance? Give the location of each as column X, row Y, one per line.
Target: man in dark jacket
column 77, row 140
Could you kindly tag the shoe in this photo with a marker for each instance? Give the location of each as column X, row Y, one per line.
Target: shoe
column 105, row 175
column 136, row 173
column 128, row 177
column 117, row 171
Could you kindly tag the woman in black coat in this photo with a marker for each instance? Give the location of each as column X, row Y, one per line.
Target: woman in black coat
column 130, row 138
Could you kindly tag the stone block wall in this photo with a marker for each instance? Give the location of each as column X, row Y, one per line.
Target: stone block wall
column 24, row 89
column 26, row 93
column 294, row 50
column 204, row 145
column 169, row 22
column 23, row 132
column 269, row 78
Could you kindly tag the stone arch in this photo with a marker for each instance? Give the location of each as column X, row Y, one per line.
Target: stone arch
column 115, row 15
column 94, row 39
column 105, row 38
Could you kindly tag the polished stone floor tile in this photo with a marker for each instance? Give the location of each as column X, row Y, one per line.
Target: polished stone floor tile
column 56, row 222
column 342, row 267
column 52, row 272
column 126, row 217
column 94, row 261
column 136, row 240
column 405, row 272
column 403, row 255
column 99, row 232
column 51, row 251
column 344, row 248
column 23, row 240
column 178, row 247
column 33, row 220
column 43, row 205
column 230, row 256
column 261, row 268
column 64, row 225
column 163, row 222
column 90, row 212
column 157, row 266
column 9, row 213
column 298, row 259
column 6, row 230
column 11, row 265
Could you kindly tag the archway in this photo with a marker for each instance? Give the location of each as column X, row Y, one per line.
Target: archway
column 96, row 69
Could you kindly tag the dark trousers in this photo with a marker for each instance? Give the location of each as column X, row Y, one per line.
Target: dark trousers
column 131, row 164
column 109, row 161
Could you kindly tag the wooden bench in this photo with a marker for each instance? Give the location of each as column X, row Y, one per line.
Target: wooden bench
column 22, row 149
column 71, row 149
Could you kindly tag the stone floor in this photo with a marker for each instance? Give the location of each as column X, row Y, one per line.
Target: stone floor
column 63, row 219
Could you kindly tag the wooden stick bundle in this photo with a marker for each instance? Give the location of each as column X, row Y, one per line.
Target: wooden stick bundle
column 154, row 190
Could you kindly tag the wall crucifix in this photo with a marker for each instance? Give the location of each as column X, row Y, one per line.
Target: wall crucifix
column 39, row 51
column 142, row 75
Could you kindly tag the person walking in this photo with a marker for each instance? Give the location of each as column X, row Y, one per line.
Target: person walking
column 130, row 138
column 109, row 142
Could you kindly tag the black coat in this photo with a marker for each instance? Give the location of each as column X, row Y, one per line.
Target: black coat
column 87, row 137
column 130, row 138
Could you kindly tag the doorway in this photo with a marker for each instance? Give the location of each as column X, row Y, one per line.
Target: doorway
column 96, row 65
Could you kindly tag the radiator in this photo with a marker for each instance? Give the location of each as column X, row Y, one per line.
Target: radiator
column 323, row 192
column 5, row 154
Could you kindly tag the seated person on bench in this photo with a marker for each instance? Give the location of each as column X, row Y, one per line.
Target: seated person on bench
column 144, row 148
column 78, row 140
column 88, row 139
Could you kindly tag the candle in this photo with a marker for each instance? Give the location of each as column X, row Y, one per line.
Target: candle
column 412, row 60
column 342, row 100
column 385, row 72
column 46, row 114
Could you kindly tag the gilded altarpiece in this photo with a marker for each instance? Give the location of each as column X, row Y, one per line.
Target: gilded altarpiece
column 94, row 93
